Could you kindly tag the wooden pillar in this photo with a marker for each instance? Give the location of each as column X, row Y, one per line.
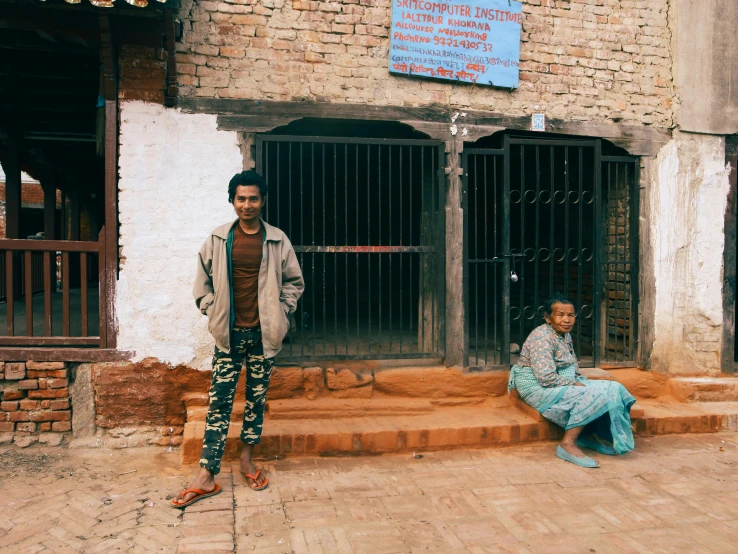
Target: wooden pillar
column 455, row 309
column 111, row 221
column 12, row 168
column 108, row 326
column 646, row 282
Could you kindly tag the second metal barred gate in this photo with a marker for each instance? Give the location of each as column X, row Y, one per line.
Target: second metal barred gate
column 366, row 218
column 545, row 216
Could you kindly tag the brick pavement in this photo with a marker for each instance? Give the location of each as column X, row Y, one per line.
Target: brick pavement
column 676, row 493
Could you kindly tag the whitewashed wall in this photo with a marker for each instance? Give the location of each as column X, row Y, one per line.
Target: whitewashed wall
column 173, row 190
column 688, row 199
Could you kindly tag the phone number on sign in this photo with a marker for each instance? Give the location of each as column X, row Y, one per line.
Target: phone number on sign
column 468, row 45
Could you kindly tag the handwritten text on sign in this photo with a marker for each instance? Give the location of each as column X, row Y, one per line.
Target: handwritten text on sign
column 476, row 41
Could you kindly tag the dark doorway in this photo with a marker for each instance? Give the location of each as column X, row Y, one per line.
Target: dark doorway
column 365, row 217
column 543, row 216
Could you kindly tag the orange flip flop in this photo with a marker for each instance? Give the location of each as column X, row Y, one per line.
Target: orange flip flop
column 255, row 477
column 199, row 495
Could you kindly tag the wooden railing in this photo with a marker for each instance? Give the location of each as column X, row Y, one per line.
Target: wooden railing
column 33, row 273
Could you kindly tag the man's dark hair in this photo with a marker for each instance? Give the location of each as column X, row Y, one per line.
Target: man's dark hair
column 556, row 298
column 246, row 178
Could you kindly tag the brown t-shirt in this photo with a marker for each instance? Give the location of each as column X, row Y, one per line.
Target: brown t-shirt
column 246, row 261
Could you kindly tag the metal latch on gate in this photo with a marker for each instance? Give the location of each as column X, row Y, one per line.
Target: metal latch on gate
column 514, row 276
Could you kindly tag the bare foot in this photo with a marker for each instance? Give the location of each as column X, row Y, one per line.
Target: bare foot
column 204, row 481
column 248, row 468
column 573, row 449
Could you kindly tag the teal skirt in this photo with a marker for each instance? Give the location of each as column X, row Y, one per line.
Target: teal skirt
column 602, row 407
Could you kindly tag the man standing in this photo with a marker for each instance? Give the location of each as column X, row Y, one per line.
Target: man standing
column 248, row 282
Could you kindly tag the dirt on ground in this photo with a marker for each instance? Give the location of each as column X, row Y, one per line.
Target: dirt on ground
column 21, row 463
column 673, row 494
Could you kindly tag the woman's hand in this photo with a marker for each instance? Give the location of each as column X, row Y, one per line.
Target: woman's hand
column 578, row 384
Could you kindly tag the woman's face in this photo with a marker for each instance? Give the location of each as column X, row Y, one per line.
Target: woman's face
column 562, row 318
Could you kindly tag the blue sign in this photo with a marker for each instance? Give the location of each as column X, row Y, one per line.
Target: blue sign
column 474, row 41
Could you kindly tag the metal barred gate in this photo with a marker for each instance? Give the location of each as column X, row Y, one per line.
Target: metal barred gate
column 545, row 216
column 366, row 218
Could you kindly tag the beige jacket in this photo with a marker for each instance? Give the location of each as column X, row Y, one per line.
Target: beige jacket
column 280, row 286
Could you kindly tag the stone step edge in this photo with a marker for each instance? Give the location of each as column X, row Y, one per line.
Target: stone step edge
column 381, row 435
column 341, row 442
column 704, row 389
column 329, row 408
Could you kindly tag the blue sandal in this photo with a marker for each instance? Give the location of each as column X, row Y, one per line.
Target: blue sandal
column 586, row 461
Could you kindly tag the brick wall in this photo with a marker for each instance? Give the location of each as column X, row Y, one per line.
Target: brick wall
column 580, row 59
column 34, row 403
column 142, row 73
column 616, row 277
column 32, row 196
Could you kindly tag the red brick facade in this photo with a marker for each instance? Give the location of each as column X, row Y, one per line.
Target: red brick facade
column 580, row 59
column 142, row 73
column 32, row 196
column 34, row 402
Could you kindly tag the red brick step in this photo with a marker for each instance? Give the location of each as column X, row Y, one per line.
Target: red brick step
column 485, row 425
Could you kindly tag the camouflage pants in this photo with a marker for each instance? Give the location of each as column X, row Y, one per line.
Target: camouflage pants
column 246, row 349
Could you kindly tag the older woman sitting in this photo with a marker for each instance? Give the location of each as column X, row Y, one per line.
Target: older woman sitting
column 594, row 414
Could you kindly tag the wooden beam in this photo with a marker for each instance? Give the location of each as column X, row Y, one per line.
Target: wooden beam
column 49, row 341
column 227, row 106
column 32, row 245
column 241, row 115
column 253, row 123
column 67, row 51
column 65, row 354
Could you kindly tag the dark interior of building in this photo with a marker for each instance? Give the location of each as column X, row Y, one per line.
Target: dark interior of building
column 357, row 210
column 51, row 127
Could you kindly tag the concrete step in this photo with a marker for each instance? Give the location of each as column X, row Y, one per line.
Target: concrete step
column 371, row 434
column 462, row 427
column 328, row 408
column 706, row 389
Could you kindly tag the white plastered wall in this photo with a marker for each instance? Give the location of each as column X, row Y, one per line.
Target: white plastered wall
column 688, row 198
column 173, row 191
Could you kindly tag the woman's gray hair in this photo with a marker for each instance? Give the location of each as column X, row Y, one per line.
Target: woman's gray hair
column 556, row 298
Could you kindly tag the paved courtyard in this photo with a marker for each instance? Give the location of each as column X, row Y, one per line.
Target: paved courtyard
column 674, row 494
